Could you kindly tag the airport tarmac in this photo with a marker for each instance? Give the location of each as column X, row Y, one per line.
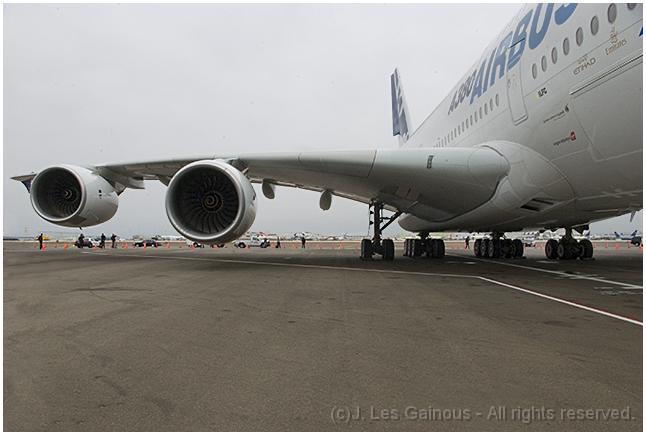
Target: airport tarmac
column 316, row 339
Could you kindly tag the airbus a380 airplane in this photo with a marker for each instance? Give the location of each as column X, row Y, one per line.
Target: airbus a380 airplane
column 544, row 131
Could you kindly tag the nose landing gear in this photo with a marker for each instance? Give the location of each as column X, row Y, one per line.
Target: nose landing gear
column 377, row 245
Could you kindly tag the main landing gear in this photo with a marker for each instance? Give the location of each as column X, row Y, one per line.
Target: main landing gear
column 433, row 248
column 383, row 247
column 498, row 247
column 568, row 248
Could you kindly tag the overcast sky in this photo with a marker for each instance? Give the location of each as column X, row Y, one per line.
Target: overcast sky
column 100, row 83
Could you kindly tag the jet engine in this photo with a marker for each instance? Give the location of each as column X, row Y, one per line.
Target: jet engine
column 73, row 196
column 210, row 201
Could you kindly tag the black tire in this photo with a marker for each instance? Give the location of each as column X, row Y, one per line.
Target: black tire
column 366, row 249
column 485, row 248
column 389, row 249
column 494, row 248
column 477, row 247
column 551, row 249
column 507, row 248
column 562, row 251
column 587, row 250
column 432, row 248
column 519, row 246
column 441, row 249
column 242, row 245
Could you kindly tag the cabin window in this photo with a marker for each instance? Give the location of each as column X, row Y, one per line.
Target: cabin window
column 471, row 120
column 612, row 12
column 544, row 63
column 497, row 100
column 579, row 36
column 555, row 55
column 480, row 112
column 534, row 71
column 566, row 46
column 491, row 104
column 594, row 25
column 631, row 6
column 486, row 110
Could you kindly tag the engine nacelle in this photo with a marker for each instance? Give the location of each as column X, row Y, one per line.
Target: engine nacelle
column 73, row 196
column 210, row 201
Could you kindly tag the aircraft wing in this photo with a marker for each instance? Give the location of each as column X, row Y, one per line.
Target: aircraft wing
column 431, row 183
column 446, row 181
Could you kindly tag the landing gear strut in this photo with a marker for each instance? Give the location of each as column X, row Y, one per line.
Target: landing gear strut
column 383, row 247
column 568, row 248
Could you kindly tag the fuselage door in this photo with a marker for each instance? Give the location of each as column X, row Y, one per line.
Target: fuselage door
column 515, row 90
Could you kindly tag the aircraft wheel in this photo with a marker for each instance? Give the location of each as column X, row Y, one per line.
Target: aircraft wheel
column 519, row 248
column 477, row 247
column 485, row 247
column 366, row 249
column 389, row 249
column 586, row 249
column 565, row 251
column 507, row 249
column 441, row 250
column 434, row 245
column 551, row 249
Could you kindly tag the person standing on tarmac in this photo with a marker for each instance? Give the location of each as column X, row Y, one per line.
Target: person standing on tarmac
column 113, row 237
column 40, row 241
column 277, row 242
column 466, row 243
column 303, row 241
column 102, row 244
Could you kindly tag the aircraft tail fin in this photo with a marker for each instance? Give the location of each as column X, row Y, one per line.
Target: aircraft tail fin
column 634, row 233
column 401, row 117
column 617, row 235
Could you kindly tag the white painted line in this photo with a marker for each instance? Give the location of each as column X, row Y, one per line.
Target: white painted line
column 401, row 272
column 555, row 272
column 566, row 302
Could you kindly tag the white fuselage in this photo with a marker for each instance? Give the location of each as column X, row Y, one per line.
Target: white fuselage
column 561, row 85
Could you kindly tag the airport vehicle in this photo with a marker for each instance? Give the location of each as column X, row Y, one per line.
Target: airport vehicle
column 146, row 242
column 86, row 243
column 544, row 131
column 190, row 243
column 634, row 238
column 252, row 242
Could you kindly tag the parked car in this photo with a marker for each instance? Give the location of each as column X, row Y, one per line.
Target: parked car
column 87, row 243
column 190, row 243
column 146, row 242
column 252, row 242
